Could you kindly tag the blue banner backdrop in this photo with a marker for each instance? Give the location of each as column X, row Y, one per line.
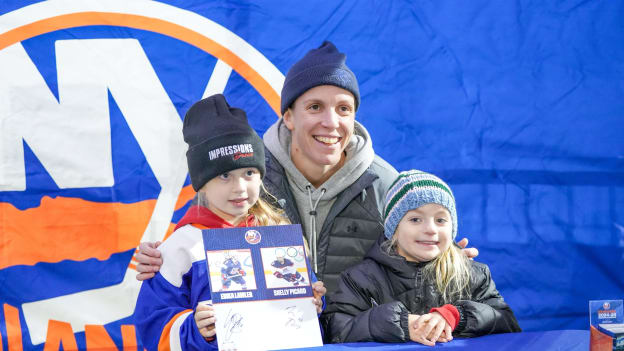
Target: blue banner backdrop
column 519, row 106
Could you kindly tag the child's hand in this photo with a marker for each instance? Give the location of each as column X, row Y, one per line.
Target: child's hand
column 412, row 319
column 205, row 320
column 429, row 329
column 319, row 291
column 447, row 334
column 412, row 325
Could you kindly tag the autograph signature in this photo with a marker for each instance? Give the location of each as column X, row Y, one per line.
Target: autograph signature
column 233, row 324
column 294, row 317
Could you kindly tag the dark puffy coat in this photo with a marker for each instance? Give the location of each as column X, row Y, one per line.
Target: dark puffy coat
column 353, row 223
column 374, row 299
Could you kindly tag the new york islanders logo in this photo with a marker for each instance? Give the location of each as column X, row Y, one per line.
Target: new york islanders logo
column 252, row 236
column 92, row 153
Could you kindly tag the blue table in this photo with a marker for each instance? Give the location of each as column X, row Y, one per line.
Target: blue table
column 574, row 340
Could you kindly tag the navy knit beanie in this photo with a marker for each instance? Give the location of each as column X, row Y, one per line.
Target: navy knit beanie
column 220, row 140
column 322, row 66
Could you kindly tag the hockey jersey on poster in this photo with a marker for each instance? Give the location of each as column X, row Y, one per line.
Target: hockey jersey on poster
column 261, row 288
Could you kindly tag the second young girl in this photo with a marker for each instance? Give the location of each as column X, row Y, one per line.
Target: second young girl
column 226, row 166
column 417, row 285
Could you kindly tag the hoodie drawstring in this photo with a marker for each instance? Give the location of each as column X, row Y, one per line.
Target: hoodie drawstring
column 313, row 222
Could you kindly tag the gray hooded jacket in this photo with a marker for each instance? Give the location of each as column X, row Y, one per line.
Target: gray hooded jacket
column 344, row 213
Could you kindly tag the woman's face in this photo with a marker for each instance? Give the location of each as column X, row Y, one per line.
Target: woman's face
column 231, row 194
column 321, row 121
column 424, row 233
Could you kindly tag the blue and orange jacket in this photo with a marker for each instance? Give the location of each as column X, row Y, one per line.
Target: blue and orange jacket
column 164, row 313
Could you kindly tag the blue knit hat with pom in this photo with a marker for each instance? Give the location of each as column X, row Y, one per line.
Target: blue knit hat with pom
column 322, row 66
column 411, row 190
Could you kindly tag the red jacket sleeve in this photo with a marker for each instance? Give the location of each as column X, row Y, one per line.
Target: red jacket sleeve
column 450, row 314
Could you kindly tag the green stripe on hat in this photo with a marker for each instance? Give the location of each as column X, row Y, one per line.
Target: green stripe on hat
column 411, row 186
column 404, row 175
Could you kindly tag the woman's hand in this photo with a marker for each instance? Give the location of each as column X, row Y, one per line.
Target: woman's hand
column 149, row 260
column 470, row 252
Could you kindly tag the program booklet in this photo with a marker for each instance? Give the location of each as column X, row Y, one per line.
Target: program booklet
column 606, row 319
column 260, row 288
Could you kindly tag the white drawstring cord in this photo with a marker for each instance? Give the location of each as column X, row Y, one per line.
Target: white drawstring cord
column 313, row 223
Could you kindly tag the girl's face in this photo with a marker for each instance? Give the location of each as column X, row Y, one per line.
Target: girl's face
column 231, row 194
column 424, row 233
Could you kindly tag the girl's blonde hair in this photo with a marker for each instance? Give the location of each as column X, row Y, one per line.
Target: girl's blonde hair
column 266, row 213
column 450, row 271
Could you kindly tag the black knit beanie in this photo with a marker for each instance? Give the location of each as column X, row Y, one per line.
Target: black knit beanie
column 322, row 66
column 220, row 140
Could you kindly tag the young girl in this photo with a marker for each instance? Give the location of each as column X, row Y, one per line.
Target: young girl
column 226, row 166
column 418, row 285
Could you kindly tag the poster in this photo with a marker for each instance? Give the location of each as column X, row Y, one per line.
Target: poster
column 261, row 288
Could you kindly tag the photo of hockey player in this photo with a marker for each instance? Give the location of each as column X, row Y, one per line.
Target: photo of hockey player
column 231, row 270
column 284, row 267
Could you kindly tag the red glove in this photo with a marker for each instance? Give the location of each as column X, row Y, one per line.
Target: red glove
column 278, row 274
column 241, row 272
